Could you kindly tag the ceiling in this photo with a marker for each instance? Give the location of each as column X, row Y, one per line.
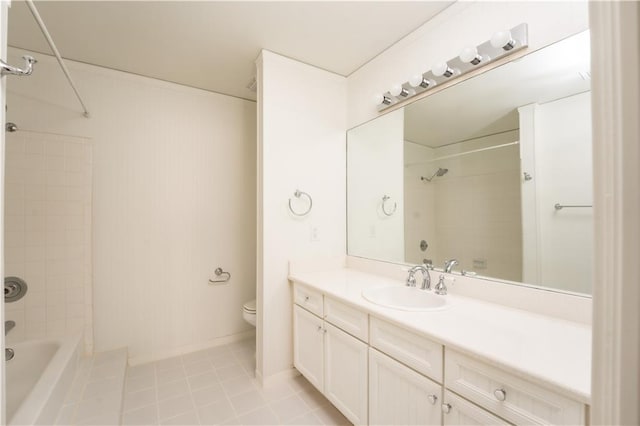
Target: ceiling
column 213, row 45
column 487, row 104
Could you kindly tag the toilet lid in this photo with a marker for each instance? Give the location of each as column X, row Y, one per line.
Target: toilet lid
column 249, row 306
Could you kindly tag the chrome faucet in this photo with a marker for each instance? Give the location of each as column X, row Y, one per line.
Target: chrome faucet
column 449, row 264
column 426, row 278
column 8, row 325
column 441, row 288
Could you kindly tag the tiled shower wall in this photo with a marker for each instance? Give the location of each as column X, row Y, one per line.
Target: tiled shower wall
column 48, row 234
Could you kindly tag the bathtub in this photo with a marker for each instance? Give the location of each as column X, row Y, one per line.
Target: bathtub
column 38, row 378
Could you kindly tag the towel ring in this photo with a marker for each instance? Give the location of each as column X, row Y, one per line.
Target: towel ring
column 219, row 273
column 386, row 198
column 299, row 194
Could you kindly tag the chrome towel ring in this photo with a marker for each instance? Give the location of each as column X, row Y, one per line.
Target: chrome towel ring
column 219, row 273
column 299, row 194
column 386, row 198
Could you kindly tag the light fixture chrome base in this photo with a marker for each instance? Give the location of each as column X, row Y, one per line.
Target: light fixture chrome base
column 486, row 51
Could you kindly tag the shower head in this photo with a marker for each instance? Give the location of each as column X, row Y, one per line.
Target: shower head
column 440, row 172
column 11, row 127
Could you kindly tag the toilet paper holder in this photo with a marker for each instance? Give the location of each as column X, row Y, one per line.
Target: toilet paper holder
column 220, row 273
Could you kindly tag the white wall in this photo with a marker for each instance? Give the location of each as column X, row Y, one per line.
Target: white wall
column 562, row 173
column 444, row 36
column 375, row 169
column 173, row 198
column 48, row 234
column 301, row 145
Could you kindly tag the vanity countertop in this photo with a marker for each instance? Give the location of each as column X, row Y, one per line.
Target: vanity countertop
column 545, row 350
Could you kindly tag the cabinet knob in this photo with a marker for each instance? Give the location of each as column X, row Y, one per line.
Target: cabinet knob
column 319, row 328
column 432, row 399
column 500, row 394
column 446, row 408
column 306, row 298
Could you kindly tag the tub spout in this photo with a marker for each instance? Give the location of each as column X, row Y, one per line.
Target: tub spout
column 8, row 325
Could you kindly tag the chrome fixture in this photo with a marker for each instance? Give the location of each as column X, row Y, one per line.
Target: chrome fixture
column 503, row 40
column 386, row 198
column 426, row 278
column 14, row 289
column 8, row 326
column 54, row 49
column 441, row 288
column 559, row 206
column 299, row 194
column 11, row 70
column 465, row 273
column 501, row 44
column 11, row 127
column 398, row 90
column 440, row 172
column 449, row 264
column 8, row 354
column 442, row 69
column 219, row 273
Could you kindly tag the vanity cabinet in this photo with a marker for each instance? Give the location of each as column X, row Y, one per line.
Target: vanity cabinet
column 400, row 396
column 377, row 372
column 334, row 361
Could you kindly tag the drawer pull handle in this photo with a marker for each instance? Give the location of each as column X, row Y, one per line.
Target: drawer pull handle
column 500, row 394
column 446, row 408
column 432, row 399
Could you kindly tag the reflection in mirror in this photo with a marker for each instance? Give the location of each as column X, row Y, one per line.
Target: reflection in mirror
column 475, row 173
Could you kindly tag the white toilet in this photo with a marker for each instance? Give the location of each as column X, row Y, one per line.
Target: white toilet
column 249, row 312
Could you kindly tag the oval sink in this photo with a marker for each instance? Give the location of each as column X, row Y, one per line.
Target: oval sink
column 405, row 298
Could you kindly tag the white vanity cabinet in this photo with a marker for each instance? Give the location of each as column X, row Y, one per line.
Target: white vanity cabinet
column 400, row 396
column 334, row 361
column 376, row 371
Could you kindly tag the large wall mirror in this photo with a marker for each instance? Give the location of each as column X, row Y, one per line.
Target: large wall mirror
column 495, row 172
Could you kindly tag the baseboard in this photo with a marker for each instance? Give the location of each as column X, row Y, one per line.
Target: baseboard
column 224, row 340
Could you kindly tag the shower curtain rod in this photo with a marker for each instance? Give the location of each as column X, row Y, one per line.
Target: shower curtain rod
column 45, row 32
column 460, row 154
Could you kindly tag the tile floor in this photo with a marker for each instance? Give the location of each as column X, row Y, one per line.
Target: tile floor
column 95, row 396
column 210, row 387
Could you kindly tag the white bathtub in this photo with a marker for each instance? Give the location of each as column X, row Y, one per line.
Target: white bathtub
column 38, row 378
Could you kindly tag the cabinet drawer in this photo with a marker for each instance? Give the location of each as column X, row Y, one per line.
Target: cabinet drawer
column 411, row 349
column 523, row 402
column 345, row 317
column 308, row 298
column 458, row 411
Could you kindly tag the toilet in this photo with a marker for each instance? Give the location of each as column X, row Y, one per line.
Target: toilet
column 249, row 312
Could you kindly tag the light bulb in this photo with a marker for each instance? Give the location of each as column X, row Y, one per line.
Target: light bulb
column 416, row 80
column 440, row 69
column 398, row 90
column 503, row 39
column 470, row 55
column 380, row 99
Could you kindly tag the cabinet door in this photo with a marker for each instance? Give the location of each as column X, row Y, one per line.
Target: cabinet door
column 345, row 377
column 399, row 395
column 458, row 411
column 308, row 335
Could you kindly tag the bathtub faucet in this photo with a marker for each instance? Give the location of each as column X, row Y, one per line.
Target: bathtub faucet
column 8, row 325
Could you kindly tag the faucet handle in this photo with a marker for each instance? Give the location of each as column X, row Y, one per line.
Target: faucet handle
column 441, row 288
column 411, row 280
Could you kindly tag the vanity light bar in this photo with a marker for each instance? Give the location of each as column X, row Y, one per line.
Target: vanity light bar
column 502, row 43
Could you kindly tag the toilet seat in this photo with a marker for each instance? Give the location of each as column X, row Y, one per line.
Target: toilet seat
column 249, row 307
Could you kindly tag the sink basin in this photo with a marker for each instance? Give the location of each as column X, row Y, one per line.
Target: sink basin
column 405, row 298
